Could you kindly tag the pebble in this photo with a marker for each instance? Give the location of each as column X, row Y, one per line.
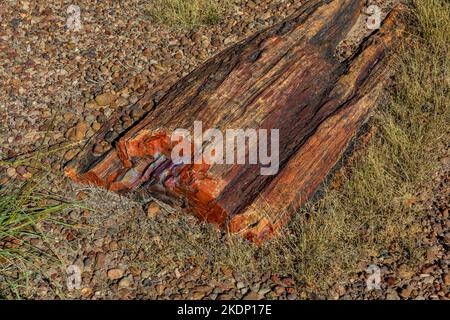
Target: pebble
column 292, row 297
column 92, row 104
column 406, row 292
column 405, row 272
column 125, row 293
column 86, row 292
column 96, row 126
column 252, row 296
column 224, row 297
column 135, row 271
column 105, row 99
column 100, row 260
column 279, row 290
column 392, row 295
column 11, row 172
column 100, row 148
column 125, row 282
column 197, row 295
column 447, row 279
column 115, row 274
column 113, row 246
column 264, row 291
column 147, row 282
column 153, row 210
column 79, row 131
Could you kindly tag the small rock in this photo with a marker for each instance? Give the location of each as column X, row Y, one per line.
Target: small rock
column 135, row 271
column 148, row 282
column 224, row 297
column 252, row 295
column 445, row 213
column 432, row 253
column 89, row 118
column 96, row 126
column 122, row 101
column 153, row 210
column 86, row 292
column 100, row 260
column 100, row 148
column 22, row 170
column 115, row 274
column 78, row 132
column 197, row 37
column 204, row 289
column 91, row 104
column 88, row 262
column 70, row 236
column 447, row 279
column 179, row 55
column 81, row 195
column 113, row 246
column 74, row 214
column 105, row 99
column 125, row 282
column 125, row 293
column 197, row 295
column 405, row 272
column 70, row 154
column 391, row 281
column 279, row 290
column 213, row 296
column 109, row 137
column 292, row 297
column 264, row 291
column 406, row 292
column 11, row 172
column 428, row 280
column 393, row 295
column 427, row 269
column 229, row 40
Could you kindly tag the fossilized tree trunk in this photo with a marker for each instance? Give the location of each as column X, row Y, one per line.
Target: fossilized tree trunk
column 289, row 78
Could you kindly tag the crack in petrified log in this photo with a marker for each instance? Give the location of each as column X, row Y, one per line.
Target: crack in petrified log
column 287, row 78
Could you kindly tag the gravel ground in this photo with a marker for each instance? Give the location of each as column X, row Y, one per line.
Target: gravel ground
column 57, row 87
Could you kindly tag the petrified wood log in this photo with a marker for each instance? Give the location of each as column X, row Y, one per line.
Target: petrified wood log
column 287, row 77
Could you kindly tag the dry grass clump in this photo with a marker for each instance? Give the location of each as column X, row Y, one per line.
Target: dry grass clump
column 188, row 13
column 23, row 207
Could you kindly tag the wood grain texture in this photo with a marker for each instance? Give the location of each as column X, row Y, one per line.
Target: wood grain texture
column 287, row 77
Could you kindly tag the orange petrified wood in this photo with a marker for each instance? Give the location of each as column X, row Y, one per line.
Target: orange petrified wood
column 287, row 77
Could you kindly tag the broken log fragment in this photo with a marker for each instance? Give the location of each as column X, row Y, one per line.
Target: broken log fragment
column 289, row 78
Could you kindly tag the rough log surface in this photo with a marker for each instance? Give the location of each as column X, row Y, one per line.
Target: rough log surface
column 287, row 77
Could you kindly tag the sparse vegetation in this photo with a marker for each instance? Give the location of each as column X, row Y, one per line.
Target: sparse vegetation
column 23, row 206
column 188, row 13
